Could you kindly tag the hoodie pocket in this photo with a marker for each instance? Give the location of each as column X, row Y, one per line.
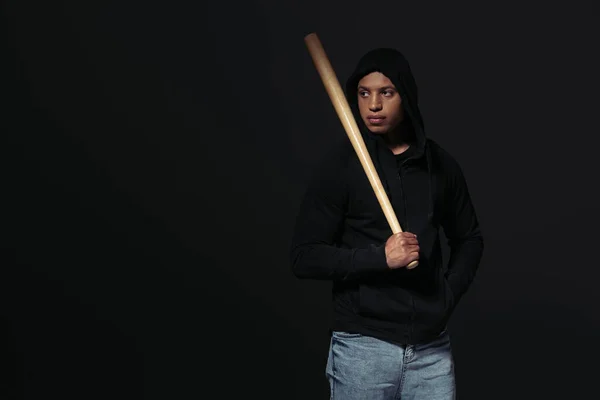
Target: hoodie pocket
column 386, row 303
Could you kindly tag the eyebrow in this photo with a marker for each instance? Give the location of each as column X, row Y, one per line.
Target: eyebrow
column 381, row 88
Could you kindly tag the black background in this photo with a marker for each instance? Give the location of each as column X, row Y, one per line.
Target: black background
column 154, row 155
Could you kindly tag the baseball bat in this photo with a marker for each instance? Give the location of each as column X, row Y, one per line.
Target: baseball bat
column 342, row 108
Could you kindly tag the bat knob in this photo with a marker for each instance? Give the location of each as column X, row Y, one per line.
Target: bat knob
column 412, row 264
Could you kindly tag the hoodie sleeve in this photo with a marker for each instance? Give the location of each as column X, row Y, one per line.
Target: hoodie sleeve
column 462, row 230
column 315, row 251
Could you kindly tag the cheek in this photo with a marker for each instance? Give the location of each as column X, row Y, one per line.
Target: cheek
column 398, row 111
column 363, row 109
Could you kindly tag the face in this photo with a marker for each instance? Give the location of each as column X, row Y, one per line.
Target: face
column 379, row 103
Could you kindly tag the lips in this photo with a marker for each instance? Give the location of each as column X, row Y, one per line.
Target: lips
column 375, row 119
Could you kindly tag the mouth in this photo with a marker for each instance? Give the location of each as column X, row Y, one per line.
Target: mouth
column 375, row 119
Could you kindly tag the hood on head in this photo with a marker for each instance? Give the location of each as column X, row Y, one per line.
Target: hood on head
column 395, row 66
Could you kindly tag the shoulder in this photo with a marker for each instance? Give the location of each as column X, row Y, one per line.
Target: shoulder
column 334, row 160
column 449, row 169
column 330, row 171
column 444, row 160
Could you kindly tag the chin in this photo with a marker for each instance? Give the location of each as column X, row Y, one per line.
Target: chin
column 378, row 130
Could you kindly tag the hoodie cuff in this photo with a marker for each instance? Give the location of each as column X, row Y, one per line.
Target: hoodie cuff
column 370, row 259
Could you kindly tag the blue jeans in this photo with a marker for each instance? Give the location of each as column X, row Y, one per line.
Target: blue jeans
column 365, row 368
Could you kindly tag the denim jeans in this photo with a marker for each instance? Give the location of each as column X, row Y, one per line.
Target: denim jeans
column 365, row 368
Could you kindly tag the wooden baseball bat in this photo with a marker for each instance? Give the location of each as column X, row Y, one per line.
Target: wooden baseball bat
column 342, row 108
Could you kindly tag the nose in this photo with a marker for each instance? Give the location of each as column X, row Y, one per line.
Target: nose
column 375, row 103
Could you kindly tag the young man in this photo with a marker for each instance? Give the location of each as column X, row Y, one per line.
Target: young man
column 388, row 333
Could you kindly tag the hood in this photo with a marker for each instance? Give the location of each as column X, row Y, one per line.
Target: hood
column 395, row 66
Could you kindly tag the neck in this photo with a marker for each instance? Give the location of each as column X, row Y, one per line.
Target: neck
column 400, row 139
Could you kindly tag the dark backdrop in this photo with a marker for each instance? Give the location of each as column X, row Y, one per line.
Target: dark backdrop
column 154, row 155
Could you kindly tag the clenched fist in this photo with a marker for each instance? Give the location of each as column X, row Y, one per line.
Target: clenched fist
column 401, row 249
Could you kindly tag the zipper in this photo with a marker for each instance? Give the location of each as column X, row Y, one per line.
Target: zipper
column 407, row 229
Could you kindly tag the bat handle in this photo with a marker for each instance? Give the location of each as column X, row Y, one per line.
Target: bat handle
column 397, row 229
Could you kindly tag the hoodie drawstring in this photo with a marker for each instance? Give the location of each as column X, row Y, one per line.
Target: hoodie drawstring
column 430, row 182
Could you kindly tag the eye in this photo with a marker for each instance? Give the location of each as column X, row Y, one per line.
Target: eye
column 362, row 93
column 388, row 92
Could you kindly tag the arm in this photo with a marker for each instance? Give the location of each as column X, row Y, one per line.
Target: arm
column 315, row 253
column 461, row 227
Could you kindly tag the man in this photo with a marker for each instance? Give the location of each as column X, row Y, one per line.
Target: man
column 388, row 333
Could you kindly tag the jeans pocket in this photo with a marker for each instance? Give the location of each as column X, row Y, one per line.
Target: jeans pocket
column 346, row 335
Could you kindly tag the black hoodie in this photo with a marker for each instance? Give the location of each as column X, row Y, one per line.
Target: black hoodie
column 341, row 230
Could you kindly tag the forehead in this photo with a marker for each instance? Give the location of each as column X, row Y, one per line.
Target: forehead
column 375, row 79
